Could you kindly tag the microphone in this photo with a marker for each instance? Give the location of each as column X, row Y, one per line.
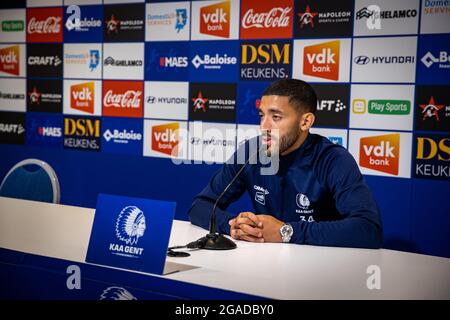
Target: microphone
column 214, row 240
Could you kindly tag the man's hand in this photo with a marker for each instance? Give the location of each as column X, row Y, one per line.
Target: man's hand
column 255, row 228
column 270, row 228
column 246, row 226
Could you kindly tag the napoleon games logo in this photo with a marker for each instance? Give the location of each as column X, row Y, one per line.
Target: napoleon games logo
column 116, row 293
column 9, row 60
column 307, row 18
column 431, row 110
column 380, row 153
column 199, row 103
column 215, row 20
column 130, row 226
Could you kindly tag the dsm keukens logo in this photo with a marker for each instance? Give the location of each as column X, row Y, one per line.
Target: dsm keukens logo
column 130, row 226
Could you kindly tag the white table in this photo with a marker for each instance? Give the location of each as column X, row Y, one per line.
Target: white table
column 279, row 271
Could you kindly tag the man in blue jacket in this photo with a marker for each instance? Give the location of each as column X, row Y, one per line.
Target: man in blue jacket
column 318, row 195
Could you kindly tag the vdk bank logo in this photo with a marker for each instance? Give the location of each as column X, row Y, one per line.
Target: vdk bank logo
column 82, row 97
column 322, row 60
column 215, row 20
column 380, row 153
column 9, row 60
column 130, row 226
column 165, row 138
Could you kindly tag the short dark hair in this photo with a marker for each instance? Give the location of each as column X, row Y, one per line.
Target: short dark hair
column 301, row 95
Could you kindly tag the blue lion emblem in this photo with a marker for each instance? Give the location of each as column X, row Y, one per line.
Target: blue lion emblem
column 130, row 225
column 116, row 293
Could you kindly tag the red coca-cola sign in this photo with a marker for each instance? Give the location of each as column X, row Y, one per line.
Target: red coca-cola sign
column 123, row 98
column 45, row 25
column 262, row 19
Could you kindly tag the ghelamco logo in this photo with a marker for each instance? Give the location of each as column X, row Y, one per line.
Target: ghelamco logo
column 213, row 62
column 130, row 226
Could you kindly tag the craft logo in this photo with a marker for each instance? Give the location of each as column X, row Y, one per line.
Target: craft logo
column 322, row 60
column 130, row 226
column 432, row 157
column 165, row 138
column 12, row 128
column 44, row 25
column 215, row 20
column 9, row 60
column 380, row 153
column 260, row 194
column 82, row 97
column 44, row 60
column 116, row 293
column 82, row 133
column 13, row 25
column 52, row 61
column 123, row 99
column 265, row 61
column 332, row 105
column 266, row 19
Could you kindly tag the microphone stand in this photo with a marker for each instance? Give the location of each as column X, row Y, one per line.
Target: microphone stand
column 214, row 240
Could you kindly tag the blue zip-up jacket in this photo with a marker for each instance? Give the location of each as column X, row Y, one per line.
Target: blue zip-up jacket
column 318, row 189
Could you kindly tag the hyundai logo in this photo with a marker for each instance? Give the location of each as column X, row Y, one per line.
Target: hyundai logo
column 362, row 60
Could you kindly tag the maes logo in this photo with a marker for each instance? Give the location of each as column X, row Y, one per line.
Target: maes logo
column 82, row 97
column 9, row 60
column 322, row 60
column 215, row 20
column 380, row 153
column 165, row 138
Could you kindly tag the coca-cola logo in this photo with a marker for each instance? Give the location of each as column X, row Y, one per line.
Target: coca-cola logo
column 275, row 18
column 49, row 25
column 129, row 99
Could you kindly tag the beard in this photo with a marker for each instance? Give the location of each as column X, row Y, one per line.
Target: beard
column 278, row 145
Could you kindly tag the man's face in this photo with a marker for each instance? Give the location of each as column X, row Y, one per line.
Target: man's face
column 279, row 123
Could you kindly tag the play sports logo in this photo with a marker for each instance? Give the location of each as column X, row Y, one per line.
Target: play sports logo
column 380, row 153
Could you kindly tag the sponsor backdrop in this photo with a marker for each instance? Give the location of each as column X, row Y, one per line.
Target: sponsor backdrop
column 138, row 98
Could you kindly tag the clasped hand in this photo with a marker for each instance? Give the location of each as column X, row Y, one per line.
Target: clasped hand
column 255, row 228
